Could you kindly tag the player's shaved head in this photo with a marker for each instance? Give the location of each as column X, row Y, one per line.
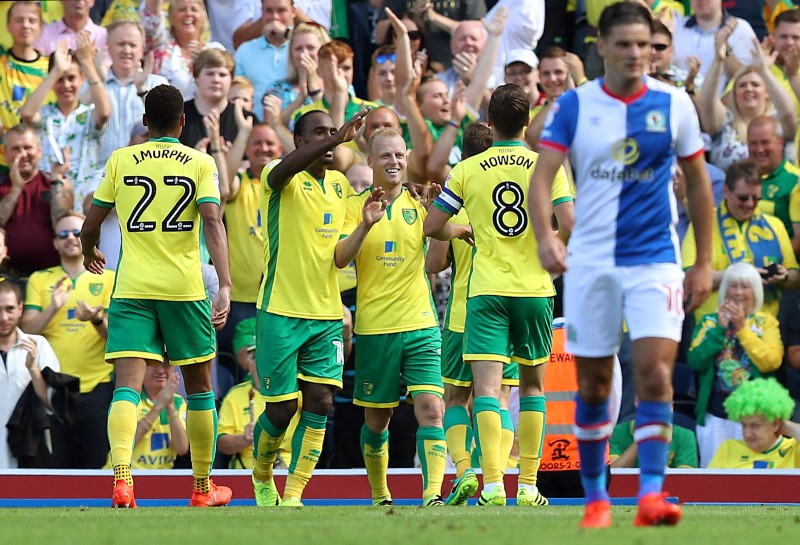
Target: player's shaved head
column 306, row 119
column 163, row 109
column 508, row 110
column 381, row 134
column 477, row 139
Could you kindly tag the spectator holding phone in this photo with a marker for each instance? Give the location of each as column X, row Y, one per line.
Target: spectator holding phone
column 737, row 343
column 744, row 233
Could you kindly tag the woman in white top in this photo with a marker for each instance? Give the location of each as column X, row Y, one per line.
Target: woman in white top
column 755, row 91
column 175, row 48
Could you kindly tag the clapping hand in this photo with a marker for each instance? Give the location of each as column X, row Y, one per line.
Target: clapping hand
column 61, row 292
column 375, row 207
column 85, row 313
column 32, row 349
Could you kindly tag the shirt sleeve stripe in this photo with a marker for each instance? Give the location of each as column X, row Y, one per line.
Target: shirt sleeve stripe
column 104, row 204
column 694, row 155
column 555, row 146
column 444, row 207
column 561, row 200
column 208, row 199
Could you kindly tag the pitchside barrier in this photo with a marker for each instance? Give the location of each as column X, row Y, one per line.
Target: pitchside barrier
column 50, row 488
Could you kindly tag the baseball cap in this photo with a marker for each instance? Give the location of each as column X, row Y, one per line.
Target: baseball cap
column 525, row 56
column 245, row 335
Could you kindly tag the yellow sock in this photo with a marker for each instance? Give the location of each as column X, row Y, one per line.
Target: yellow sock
column 306, row 448
column 531, row 437
column 488, row 430
column 506, row 438
column 285, row 451
column 201, row 427
column 123, row 472
column 122, row 421
column 432, row 452
column 458, row 434
column 266, row 442
column 375, row 449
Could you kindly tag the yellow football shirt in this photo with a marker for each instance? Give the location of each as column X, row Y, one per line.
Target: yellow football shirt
column 735, row 454
column 154, row 450
column 157, row 188
column 234, row 415
column 243, row 225
column 20, row 79
column 301, row 225
column 80, row 349
column 393, row 293
column 461, row 264
column 493, row 187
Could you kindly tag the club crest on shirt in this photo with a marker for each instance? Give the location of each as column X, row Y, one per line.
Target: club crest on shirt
column 95, row 288
column 338, row 189
column 410, row 215
column 655, row 121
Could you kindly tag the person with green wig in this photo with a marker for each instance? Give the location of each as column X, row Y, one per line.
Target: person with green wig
column 763, row 407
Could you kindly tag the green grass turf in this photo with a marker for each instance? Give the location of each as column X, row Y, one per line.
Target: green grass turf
column 387, row 526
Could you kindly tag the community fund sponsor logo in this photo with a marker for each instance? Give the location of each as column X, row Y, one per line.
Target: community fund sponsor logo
column 327, row 232
column 390, row 247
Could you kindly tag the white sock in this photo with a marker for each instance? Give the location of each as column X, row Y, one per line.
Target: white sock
column 530, row 488
column 489, row 487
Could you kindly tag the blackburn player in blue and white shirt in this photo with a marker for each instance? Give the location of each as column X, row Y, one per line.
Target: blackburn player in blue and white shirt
column 624, row 133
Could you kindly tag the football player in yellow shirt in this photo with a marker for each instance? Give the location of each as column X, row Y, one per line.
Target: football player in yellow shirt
column 396, row 324
column 510, row 295
column 299, row 323
column 161, row 190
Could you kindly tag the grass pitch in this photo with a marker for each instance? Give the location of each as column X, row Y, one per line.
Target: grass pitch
column 745, row 525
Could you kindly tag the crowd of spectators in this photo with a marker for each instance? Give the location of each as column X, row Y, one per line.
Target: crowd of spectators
column 74, row 77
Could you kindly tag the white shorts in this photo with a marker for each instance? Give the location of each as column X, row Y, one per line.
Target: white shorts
column 649, row 298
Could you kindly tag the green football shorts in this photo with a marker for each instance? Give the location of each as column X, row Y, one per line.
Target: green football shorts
column 382, row 359
column 458, row 373
column 142, row 328
column 292, row 349
column 509, row 329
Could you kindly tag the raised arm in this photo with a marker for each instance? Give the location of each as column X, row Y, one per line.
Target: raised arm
column 272, row 117
column 85, row 54
column 235, row 155
column 483, row 70
column 780, row 97
column 9, row 202
column 437, row 166
column 29, row 112
column 302, row 157
column 712, row 111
